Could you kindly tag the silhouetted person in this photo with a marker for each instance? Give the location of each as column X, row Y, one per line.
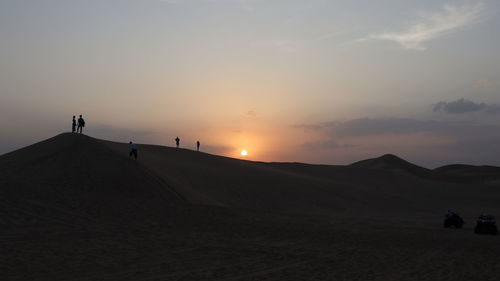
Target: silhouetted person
column 177, row 141
column 73, row 125
column 197, row 145
column 133, row 150
column 81, row 124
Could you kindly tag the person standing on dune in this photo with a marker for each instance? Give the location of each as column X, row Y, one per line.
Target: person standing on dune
column 133, row 150
column 198, row 146
column 81, row 124
column 177, row 141
column 73, row 125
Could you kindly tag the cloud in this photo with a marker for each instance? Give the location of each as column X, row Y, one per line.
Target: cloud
column 431, row 26
column 359, row 133
column 368, row 126
column 463, row 106
column 430, row 143
column 373, row 126
column 363, row 127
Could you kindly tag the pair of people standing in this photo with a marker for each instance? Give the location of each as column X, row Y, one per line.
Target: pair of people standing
column 79, row 127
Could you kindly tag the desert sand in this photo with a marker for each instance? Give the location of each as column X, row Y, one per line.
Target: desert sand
column 77, row 208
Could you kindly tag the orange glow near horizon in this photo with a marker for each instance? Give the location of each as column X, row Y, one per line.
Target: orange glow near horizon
column 244, row 152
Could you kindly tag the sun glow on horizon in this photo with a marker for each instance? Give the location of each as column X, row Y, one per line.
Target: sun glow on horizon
column 244, row 152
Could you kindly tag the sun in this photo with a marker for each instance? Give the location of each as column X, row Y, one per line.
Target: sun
column 244, row 152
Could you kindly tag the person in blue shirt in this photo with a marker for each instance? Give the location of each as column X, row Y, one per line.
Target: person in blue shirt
column 133, row 150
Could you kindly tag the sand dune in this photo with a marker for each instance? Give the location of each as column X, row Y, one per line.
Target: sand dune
column 75, row 177
column 393, row 163
column 77, row 208
column 72, row 166
column 474, row 174
column 387, row 184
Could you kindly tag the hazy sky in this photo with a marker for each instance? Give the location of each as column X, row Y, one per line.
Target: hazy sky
column 318, row 81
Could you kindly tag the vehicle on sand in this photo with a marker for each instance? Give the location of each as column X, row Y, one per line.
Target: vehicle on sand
column 486, row 224
column 453, row 220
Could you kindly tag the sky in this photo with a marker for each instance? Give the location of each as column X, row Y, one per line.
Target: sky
column 315, row 81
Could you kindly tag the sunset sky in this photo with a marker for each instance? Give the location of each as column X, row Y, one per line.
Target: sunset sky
column 316, row 81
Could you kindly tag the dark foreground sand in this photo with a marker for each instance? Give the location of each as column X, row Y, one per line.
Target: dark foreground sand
column 218, row 244
column 115, row 219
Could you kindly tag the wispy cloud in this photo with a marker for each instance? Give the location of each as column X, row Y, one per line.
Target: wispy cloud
column 462, row 106
column 431, row 26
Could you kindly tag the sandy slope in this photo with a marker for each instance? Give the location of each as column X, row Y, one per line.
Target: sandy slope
column 71, row 177
column 291, row 187
column 76, row 208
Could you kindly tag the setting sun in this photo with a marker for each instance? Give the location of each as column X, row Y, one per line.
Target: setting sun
column 244, row 152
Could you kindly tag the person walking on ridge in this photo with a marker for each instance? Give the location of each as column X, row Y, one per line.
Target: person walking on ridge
column 81, row 124
column 198, row 146
column 73, row 125
column 133, row 150
column 177, row 141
